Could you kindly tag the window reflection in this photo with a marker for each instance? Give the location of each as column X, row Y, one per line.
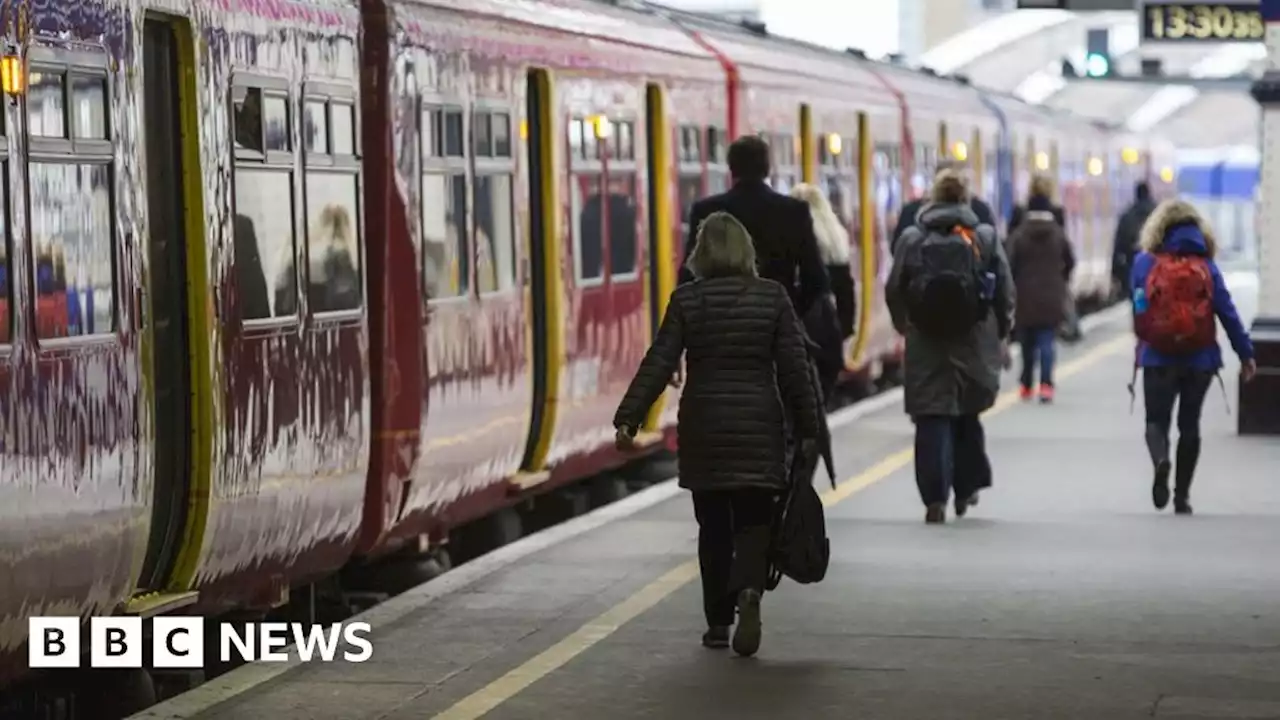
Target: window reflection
column 588, row 214
column 333, row 242
column 72, row 236
column 264, row 243
column 495, row 233
column 90, row 97
column 276, row 122
column 248, row 119
column 690, row 185
column 46, row 105
column 446, row 265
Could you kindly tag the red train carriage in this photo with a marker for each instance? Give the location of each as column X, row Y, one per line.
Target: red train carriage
column 545, row 130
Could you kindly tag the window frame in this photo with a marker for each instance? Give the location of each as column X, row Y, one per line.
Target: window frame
column 602, row 167
column 69, row 150
column 282, row 161
column 333, row 163
column 443, row 165
column 493, row 165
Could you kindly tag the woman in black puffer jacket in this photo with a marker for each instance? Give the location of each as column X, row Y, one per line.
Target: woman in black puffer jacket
column 748, row 371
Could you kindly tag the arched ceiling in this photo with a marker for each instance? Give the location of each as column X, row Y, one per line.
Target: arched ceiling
column 1021, row 52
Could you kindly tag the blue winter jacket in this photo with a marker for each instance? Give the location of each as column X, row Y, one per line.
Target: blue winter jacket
column 1187, row 239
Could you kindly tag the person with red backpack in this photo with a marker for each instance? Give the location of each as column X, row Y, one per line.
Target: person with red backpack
column 1178, row 298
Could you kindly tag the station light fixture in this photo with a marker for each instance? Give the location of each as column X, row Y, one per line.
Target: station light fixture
column 960, row 151
column 601, row 126
column 1130, row 156
column 1042, row 161
column 1097, row 59
column 13, row 75
column 1166, row 174
column 524, row 128
column 1097, row 65
column 834, row 144
column 1095, row 166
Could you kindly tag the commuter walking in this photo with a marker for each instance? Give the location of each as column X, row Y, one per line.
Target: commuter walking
column 1128, row 232
column 951, row 296
column 828, row 324
column 1179, row 296
column 781, row 227
column 1041, row 261
column 911, row 211
column 748, row 378
column 1040, row 195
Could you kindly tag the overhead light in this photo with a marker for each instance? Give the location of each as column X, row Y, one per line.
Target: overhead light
column 834, row 144
column 1166, row 174
column 960, row 151
column 1095, row 166
column 1130, row 156
column 1042, row 160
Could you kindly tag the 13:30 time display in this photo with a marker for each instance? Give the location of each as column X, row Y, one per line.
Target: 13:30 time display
column 1208, row 22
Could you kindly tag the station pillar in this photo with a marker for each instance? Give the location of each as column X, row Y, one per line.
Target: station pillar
column 1260, row 400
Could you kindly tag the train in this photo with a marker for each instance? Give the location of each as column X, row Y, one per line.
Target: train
column 293, row 286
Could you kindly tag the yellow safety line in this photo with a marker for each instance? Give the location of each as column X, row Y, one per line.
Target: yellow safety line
column 479, row 703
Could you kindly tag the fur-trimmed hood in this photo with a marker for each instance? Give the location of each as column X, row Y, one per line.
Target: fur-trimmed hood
column 1179, row 227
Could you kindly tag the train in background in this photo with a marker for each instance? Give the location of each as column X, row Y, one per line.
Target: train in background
column 295, row 288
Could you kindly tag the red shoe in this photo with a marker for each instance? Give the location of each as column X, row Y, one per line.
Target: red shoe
column 1046, row 393
column 1025, row 393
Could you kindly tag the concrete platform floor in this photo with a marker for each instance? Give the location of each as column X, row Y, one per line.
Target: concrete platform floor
column 1064, row 595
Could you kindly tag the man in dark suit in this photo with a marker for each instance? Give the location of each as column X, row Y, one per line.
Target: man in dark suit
column 781, row 227
column 907, row 218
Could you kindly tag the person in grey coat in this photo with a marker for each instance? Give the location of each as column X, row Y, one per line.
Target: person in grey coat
column 948, row 384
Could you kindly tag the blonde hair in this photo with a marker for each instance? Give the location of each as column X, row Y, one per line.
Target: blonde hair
column 833, row 239
column 1042, row 186
column 1166, row 216
column 950, row 187
column 723, row 248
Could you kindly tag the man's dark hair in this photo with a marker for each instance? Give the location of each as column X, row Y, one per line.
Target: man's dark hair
column 1142, row 191
column 749, row 158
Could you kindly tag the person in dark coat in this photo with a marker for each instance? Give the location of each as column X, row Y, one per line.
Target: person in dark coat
column 780, row 226
column 910, row 211
column 1041, row 261
column 948, row 384
column 1041, row 195
column 748, row 378
column 1176, row 228
column 1128, row 235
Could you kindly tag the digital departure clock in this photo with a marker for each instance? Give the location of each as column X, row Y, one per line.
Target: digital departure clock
column 1203, row 22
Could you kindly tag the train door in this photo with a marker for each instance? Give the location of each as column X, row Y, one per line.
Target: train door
column 168, row 317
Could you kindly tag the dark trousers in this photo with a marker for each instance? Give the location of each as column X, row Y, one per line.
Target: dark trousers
column 1162, row 387
column 951, row 452
column 1038, row 346
column 734, row 529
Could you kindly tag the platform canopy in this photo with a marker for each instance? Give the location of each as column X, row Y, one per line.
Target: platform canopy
column 1022, row 52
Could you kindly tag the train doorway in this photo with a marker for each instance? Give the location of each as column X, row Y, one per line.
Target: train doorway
column 167, row 310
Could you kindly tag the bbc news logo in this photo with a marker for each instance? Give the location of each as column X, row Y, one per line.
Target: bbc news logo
column 178, row 642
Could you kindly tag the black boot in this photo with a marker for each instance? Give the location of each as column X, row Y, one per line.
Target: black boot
column 716, row 637
column 746, row 636
column 1158, row 447
column 1188, row 456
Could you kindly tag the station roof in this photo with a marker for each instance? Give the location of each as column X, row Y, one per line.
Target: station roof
column 1022, row 52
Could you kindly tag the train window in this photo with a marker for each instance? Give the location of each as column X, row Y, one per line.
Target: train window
column 315, row 127
column 501, row 135
column 275, row 114
column 624, row 144
column 247, row 117
column 342, row 122
column 71, row 231
column 445, row 260
column 429, row 130
column 333, row 234
column 716, row 146
column 690, row 189
column 481, row 134
column 495, row 232
column 621, row 224
column 46, row 105
column 264, row 228
column 89, row 94
column 587, row 207
column 690, row 144
column 576, row 129
column 453, row 134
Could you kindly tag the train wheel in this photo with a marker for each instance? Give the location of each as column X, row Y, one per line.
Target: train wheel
column 608, row 489
column 111, row 694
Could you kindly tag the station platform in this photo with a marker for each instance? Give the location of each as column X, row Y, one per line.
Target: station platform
column 1063, row 595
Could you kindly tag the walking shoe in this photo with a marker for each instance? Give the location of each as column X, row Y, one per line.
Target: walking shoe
column 1046, row 394
column 1025, row 393
column 1182, row 507
column 746, row 637
column 964, row 503
column 936, row 514
column 716, row 637
column 1160, row 488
